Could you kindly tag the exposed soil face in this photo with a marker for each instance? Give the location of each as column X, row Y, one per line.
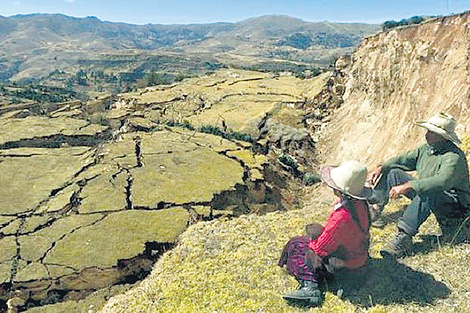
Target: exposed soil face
column 395, row 79
column 93, row 195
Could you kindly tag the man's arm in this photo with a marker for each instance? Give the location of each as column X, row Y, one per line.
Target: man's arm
column 406, row 162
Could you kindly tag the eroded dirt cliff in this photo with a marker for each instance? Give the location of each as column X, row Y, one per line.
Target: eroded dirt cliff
column 396, row 78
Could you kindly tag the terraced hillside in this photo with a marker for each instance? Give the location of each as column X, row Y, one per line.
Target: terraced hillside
column 94, row 193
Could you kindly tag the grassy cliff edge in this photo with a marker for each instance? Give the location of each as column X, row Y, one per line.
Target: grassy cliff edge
column 231, row 266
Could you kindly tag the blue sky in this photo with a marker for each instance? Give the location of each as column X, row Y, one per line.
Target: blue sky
column 206, row 11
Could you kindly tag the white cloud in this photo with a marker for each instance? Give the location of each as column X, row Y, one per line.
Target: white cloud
column 70, row 1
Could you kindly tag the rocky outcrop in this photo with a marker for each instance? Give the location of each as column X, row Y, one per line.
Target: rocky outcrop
column 396, row 78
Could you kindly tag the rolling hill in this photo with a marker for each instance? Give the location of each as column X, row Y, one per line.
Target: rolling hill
column 54, row 48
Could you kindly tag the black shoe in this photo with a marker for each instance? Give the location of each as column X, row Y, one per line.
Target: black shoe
column 399, row 247
column 307, row 294
column 378, row 223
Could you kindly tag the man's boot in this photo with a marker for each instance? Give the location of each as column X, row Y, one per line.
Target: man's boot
column 308, row 293
column 399, row 247
column 376, row 215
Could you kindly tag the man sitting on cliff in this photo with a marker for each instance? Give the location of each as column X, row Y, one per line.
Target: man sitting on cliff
column 441, row 185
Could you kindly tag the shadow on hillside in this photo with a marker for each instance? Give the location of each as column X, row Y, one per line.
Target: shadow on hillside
column 432, row 242
column 389, row 282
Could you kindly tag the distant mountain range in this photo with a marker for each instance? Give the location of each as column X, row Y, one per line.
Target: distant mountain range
column 53, row 46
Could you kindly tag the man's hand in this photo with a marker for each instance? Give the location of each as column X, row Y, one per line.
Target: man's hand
column 399, row 190
column 375, row 175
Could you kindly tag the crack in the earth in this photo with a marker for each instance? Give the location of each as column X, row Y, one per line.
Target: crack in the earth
column 138, row 151
column 85, row 126
column 71, row 181
column 167, row 205
column 40, row 227
column 36, row 107
column 245, row 80
column 20, row 155
column 15, row 260
column 216, row 83
column 59, row 265
column 58, row 140
column 264, row 93
column 151, row 105
column 243, row 93
column 8, row 222
column 128, row 186
column 246, row 168
column 167, row 87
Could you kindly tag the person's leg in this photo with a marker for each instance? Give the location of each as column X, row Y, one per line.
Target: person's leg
column 415, row 214
column 350, row 280
column 393, row 177
column 294, row 256
column 308, row 293
column 379, row 198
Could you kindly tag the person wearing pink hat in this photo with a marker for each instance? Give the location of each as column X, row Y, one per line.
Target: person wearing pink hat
column 341, row 245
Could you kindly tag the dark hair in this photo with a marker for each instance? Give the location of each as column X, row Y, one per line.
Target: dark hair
column 350, row 204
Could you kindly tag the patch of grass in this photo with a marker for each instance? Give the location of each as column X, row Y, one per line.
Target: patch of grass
column 288, row 161
column 227, row 134
column 240, row 136
column 311, row 178
column 185, row 124
column 210, row 129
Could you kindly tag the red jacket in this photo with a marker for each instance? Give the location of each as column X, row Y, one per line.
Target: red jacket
column 341, row 234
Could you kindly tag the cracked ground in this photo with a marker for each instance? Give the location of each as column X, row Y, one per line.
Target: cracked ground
column 85, row 206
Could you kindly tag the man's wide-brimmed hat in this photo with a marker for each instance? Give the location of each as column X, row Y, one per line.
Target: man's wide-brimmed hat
column 442, row 124
column 348, row 178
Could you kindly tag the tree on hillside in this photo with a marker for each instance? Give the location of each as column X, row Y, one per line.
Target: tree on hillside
column 410, row 21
